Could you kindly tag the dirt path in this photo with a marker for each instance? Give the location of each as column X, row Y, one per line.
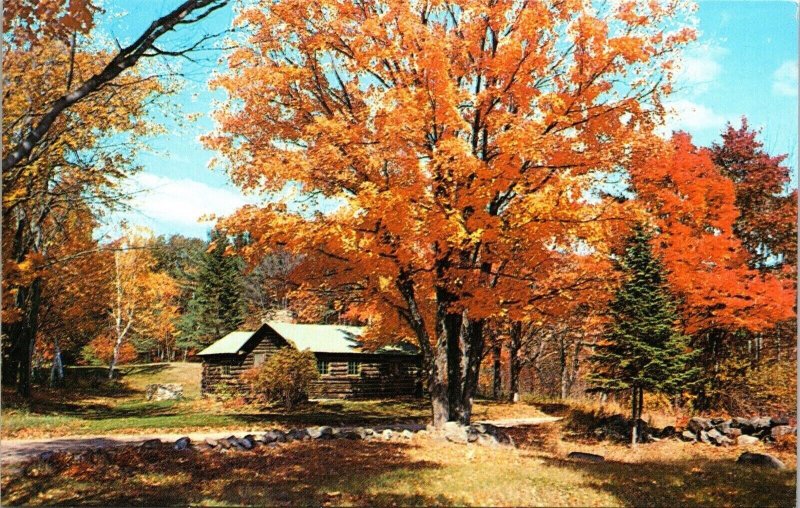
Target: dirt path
column 521, row 422
column 18, row 450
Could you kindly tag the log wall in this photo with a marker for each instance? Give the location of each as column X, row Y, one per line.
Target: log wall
column 380, row 376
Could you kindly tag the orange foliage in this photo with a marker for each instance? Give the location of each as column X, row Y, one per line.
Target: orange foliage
column 694, row 207
column 456, row 151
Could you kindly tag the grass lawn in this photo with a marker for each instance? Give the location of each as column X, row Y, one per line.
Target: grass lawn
column 422, row 471
column 99, row 407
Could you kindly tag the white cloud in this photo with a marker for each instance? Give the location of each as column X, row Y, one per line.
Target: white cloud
column 699, row 67
column 181, row 202
column 784, row 79
column 683, row 114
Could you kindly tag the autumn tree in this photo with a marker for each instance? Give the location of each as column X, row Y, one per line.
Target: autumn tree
column 722, row 295
column 70, row 111
column 767, row 222
column 644, row 348
column 452, row 139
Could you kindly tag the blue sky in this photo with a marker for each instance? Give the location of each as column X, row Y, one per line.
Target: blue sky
column 743, row 63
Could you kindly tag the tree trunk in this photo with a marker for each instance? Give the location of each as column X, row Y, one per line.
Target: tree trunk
column 57, row 371
column 455, row 373
column 472, row 342
column 515, row 363
column 634, row 421
column 497, row 380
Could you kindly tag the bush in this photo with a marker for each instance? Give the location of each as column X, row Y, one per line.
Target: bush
column 284, row 377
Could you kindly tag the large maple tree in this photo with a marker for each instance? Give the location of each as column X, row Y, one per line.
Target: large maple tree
column 448, row 142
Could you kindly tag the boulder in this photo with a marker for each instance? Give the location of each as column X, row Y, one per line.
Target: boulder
column 387, row 434
column 745, row 440
column 168, row 391
column 703, row 437
column 407, row 434
column 323, row 432
column 224, row 444
column 151, row 443
column 211, row 442
column 667, row 431
column 47, row 456
column 272, row 436
column 760, row 460
column 697, row 424
column 743, row 424
column 761, row 423
column 182, row 443
column 713, row 434
column 781, row 430
column 233, row 441
column 687, row 435
column 588, row 457
column 724, row 427
column 716, row 420
column 247, row 442
column 297, row 435
column 733, row 432
column 778, row 421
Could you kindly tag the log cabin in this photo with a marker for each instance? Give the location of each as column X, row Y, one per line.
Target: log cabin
column 346, row 369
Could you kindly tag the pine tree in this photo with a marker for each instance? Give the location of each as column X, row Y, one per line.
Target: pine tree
column 643, row 348
column 217, row 306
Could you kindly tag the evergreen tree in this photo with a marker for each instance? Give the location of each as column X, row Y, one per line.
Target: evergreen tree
column 216, row 307
column 643, row 348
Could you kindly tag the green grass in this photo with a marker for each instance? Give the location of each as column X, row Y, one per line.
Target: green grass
column 90, row 404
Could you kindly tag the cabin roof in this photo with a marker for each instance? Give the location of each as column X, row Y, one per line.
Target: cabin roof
column 229, row 344
column 317, row 338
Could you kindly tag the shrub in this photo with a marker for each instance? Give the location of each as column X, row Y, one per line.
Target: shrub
column 100, row 350
column 284, row 377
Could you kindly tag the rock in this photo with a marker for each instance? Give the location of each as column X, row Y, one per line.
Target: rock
column 273, row 444
column 778, row 421
column 247, row 442
column 697, row 424
column 233, row 441
column 716, row 421
column 688, row 435
column 273, row 436
column 422, row 434
column 724, row 426
column 168, row 391
column 589, row 457
column 761, row 423
column 743, row 424
column 211, row 442
column 224, row 444
column 320, row 432
column 182, row 443
column 151, row 443
column 297, row 435
column 351, row 434
column 733, row 433
column 407, row 434
column 745, row 440
column 713, row 434
column 667, row 431
column 781, row 430
column 387, row 434
column 47, row 456
column 761, row 460
column 487, row 440
column 703, row 437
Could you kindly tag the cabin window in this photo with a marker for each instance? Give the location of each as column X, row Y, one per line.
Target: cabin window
column 226, row 369
column 323, row 367
column 259, row 358
column 353, row 368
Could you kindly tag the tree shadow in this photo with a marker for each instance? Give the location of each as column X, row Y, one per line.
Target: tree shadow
column 697, row 482
column 299, row 473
